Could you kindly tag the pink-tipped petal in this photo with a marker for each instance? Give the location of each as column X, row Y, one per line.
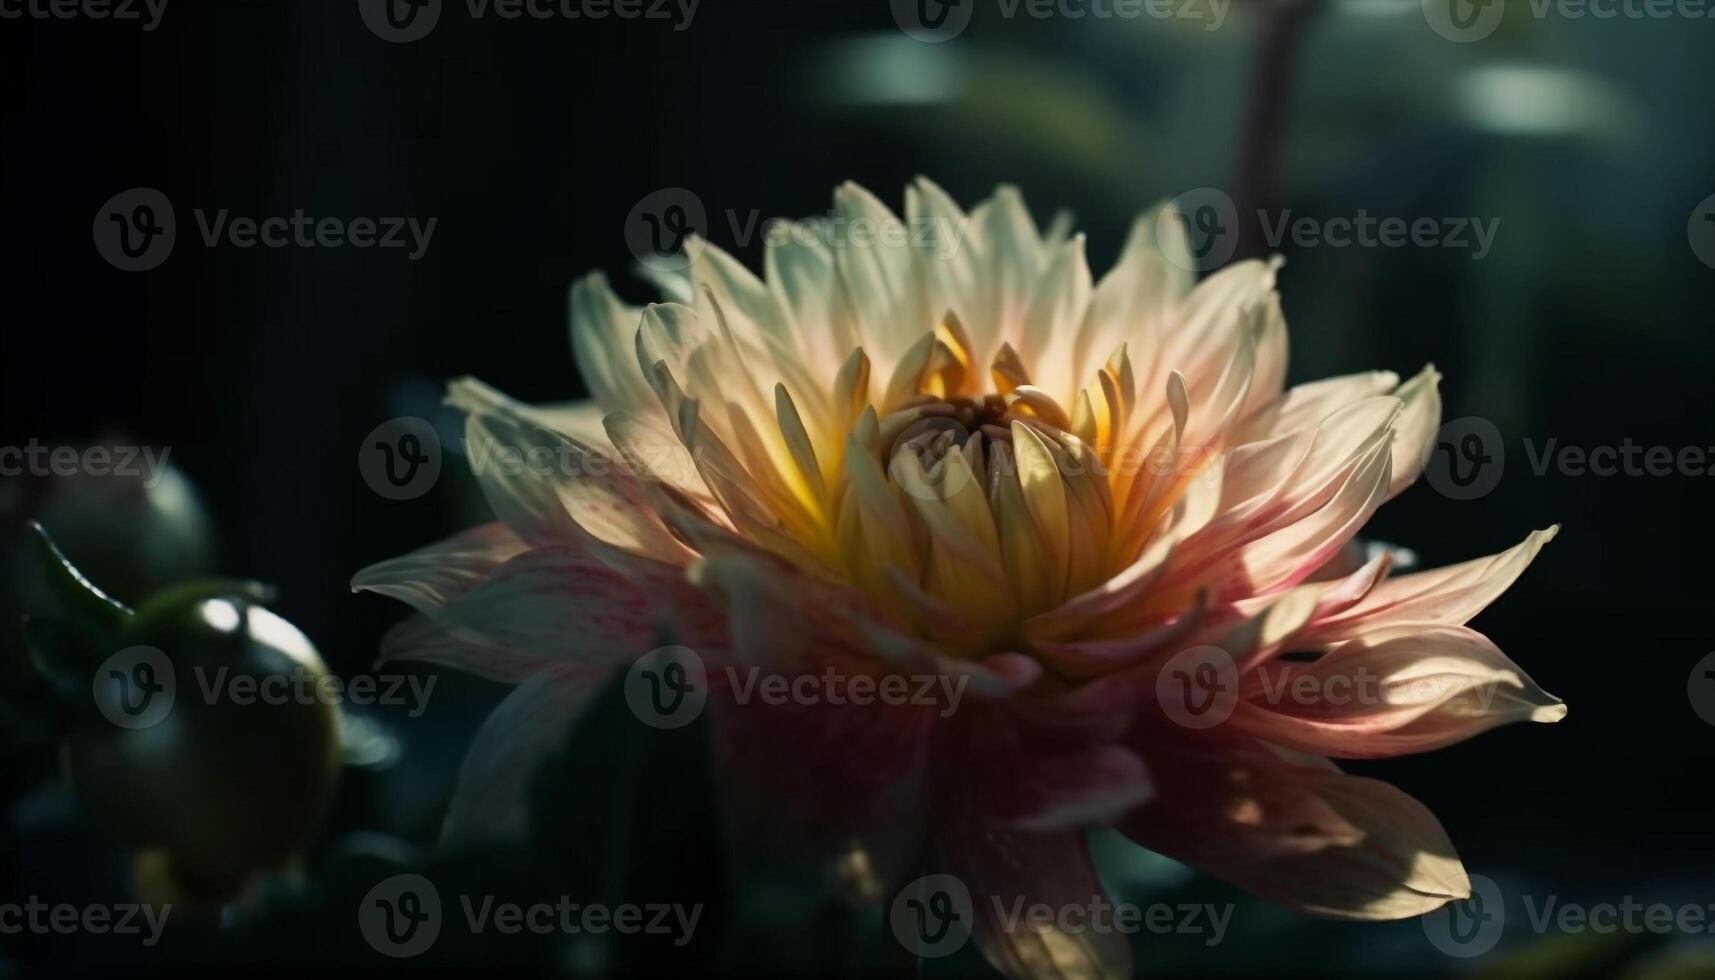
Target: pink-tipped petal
column 429, row 578
column 1449, row 595
column 1409, row 688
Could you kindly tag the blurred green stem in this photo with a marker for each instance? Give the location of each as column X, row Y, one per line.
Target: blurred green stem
column 1258, row 182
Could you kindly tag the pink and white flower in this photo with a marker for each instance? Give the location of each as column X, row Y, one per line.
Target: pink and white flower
column 969, row 457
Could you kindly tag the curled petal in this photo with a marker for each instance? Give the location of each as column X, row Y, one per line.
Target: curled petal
column 602, row 327
column 1304, row 835
column 559, row 604
column 1410, row 688
column 1415, row 429
column 1450, row 595
column 429, row 578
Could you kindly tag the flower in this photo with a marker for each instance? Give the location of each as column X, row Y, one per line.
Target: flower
column 947, row 451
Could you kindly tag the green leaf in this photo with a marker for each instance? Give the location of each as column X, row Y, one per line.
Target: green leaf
column 70, row 625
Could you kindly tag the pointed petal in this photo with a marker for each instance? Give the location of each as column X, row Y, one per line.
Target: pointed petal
column 490, row 802
column 1305, row 836
column 1450, row 595
column 1414, row 430
column 1009, row 871
column 602, row 327
column 1406, row 689
column 431, row 577
column 563, row 604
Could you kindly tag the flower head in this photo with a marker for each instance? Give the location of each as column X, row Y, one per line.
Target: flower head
column 952, row 453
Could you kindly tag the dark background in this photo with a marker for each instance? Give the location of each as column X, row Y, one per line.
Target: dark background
column 531, row 141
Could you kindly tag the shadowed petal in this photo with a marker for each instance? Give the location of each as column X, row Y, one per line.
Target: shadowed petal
column 1409, row 688
column 1449, row 595
column 1008, row 872
column 431, row 577
column 1306, row 836
column 489, row 802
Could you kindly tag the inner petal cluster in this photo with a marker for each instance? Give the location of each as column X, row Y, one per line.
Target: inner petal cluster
column 966, row 512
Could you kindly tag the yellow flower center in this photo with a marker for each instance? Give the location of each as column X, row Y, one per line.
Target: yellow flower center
column 966, row 512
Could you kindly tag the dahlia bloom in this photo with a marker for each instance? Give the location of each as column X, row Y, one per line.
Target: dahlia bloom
column 952, row 452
